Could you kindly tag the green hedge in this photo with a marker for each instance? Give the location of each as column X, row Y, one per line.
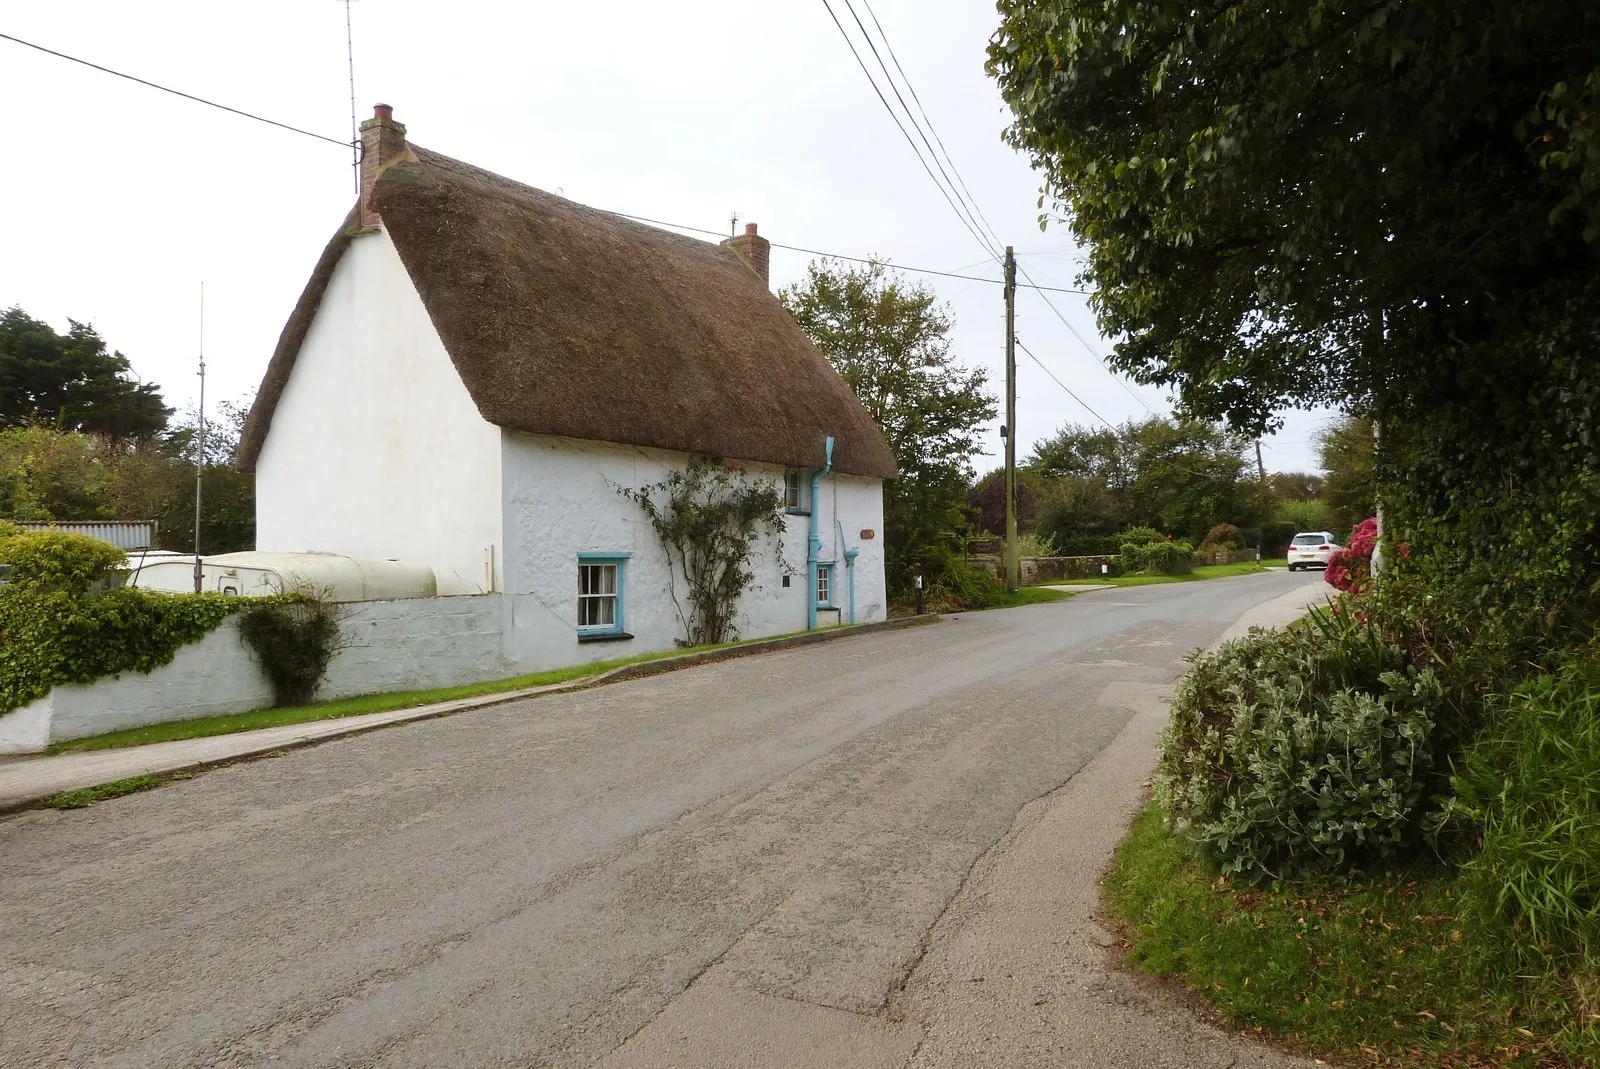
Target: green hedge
column 53, row 630
column 1156, row 558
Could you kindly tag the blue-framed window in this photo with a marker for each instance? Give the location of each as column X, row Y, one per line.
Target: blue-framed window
column 824, row 586
column 794, row 494
column 602, row 582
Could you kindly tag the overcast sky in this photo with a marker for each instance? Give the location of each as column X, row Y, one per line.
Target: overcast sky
column 119, row 200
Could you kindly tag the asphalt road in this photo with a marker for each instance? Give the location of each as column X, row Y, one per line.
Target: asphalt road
column 531, row 884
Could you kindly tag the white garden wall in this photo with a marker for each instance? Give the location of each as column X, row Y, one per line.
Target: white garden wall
column 387, row 646
column 376, row 449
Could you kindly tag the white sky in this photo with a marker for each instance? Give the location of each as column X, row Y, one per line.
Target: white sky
column 119, row 200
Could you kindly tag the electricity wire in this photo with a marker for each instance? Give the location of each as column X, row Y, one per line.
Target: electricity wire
column 174, row 92
column 1117, row 432
column 982, row 243
column 967, row 210
column 971, row 200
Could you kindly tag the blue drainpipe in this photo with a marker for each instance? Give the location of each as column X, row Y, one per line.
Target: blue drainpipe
column 814, row 540
column 850, row 556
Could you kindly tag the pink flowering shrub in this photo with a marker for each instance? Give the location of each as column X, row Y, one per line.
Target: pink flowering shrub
column 1350, row 569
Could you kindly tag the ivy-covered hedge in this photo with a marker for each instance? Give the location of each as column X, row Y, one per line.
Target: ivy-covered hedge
column 53, row 630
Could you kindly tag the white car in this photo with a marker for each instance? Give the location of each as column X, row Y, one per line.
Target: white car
column 1311, row 548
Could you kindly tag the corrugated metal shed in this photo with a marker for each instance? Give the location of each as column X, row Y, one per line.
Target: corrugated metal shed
column 124, row 534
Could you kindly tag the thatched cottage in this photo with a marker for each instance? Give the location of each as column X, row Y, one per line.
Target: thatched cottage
column 476, row 367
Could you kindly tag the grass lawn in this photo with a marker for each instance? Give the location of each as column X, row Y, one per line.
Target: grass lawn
column 1378, row 972
column 1275, row 562
column 1204, row 571
column 204, row 727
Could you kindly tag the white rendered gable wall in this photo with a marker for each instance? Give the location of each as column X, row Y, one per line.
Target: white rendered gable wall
column 376, row 449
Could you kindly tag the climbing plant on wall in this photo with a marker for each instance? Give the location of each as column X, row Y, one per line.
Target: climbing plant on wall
column 710, row 518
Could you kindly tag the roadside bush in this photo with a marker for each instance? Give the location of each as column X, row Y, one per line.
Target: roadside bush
column 1157, row 558
column 1350, row 568
column 1302, row 752
column 1031, row 545
column 294, row 637
column 1088, row 545
column 1531, row 790
column 54, row 631
column 1275, row 537
column 1140, row 536
column 1224, row 536
column 56, row 559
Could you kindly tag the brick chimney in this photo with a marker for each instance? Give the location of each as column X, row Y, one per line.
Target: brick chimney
column 754, row 250
column 382, row 142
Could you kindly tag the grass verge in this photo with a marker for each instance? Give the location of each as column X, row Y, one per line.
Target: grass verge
column 87, row 796
column 228, row 724
column 1378, row 971
column 1026, row 595
column 935, row 603
column 1204, row 571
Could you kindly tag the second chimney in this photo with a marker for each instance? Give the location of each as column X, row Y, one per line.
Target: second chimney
column 382, row 142
column 754, row 250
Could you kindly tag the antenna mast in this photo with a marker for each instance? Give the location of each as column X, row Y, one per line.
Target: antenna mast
column 355, row 133
column 200, row 448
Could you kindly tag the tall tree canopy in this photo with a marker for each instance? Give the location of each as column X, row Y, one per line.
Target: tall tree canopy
column 1180, row 476
column 51, row 474
column 1331, row 202
column 1391, row 206
column 889, row 339
column 70, row 381
column 1349, row 458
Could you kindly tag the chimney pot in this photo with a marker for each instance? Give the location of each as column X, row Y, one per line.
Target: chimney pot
column 382, row 142
column 754, row 250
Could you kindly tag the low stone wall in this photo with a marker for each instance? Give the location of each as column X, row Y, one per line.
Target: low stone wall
column 1227, row 556
column 413, row 644
column 1032, row 570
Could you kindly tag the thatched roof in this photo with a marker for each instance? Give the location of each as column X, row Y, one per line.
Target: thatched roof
column 564, row 320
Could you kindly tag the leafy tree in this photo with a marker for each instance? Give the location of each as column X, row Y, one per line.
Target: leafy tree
column 1184, row 476
column 889, row 339
column 1313, row 203
column 72, row 382
column 52, row 474
column 1349, row 458
column 1295, row 485
column 986, row 502
column 1080, row 514
column 1390, row 207
column 47, row 474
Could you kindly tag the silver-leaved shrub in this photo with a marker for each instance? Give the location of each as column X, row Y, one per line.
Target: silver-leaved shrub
column 1302, row 752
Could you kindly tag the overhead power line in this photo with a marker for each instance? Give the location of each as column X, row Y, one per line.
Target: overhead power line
column 971, row 200
column 1091, row 349
column 1108, row 424
column 1065, row 387
column 174, row 92
column 992, row 242
column 842, row 256
column 950, row 200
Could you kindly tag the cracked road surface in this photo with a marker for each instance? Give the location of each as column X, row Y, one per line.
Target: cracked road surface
column 533, row 883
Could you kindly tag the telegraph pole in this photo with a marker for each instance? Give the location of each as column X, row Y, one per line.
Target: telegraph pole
column 200, row 447
column 1010, row 429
